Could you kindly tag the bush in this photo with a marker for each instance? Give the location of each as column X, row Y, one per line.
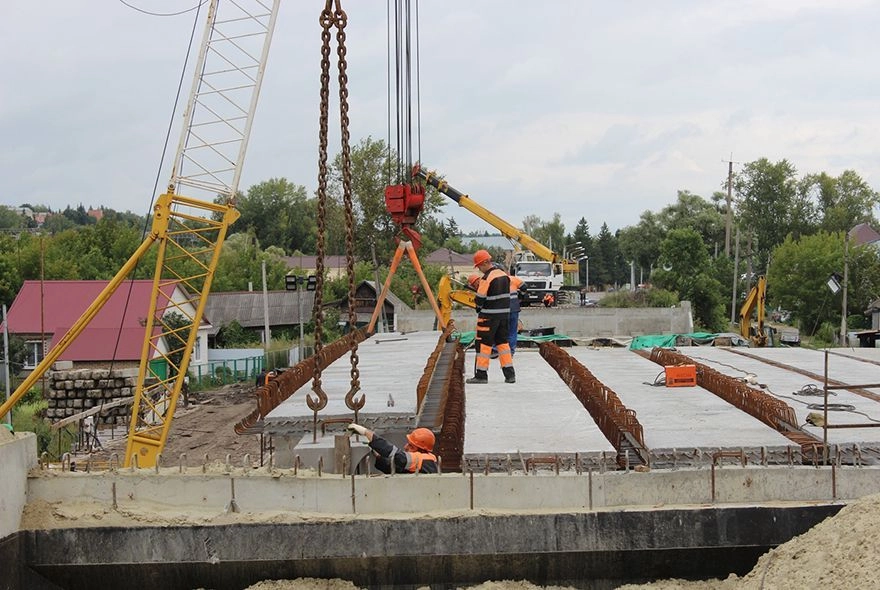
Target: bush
column 642, row 298
column 28, row 417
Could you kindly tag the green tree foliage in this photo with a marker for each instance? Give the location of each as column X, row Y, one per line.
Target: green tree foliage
column 371, row 161
column 233, row 335
column 687, row 269
column 842, row 202
column 240, row 265
column 771, row 207
column 277, row 213
column 799, row 272
column 605, row 262
column 550, row 233
column 641, row 242
column 10, row 219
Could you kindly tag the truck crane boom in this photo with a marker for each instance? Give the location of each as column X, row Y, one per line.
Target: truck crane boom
column 509, row 231
column 539, row 277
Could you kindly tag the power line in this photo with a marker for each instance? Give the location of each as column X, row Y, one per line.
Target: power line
column 141, row 10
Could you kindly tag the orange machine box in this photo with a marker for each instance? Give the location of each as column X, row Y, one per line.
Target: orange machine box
column 681, row 376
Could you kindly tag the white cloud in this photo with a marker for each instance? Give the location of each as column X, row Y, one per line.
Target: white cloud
column 590, row 109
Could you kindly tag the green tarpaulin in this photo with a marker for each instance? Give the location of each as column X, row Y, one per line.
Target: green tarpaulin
column 467, row 338
column 668, row 340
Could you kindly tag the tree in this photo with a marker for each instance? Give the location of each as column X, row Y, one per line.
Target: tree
column 240, row 265
column 10, row 219
column 770, row 205
column 842, row 202
column 799, row 272
column 278, row 213
column 582, row 235
column 550, row 233
column 687, row 269
column 641, row 242
column 370, row 162
column 694, row 212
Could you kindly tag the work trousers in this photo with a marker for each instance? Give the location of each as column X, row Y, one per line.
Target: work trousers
column 493, row 331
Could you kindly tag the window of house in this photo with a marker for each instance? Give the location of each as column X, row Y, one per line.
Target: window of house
column 34, row 353
column 197, row 348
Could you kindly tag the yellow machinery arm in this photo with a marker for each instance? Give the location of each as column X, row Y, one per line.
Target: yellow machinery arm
column 446, row 296
column 509, row 231
column 189, row 231
column 755, row 301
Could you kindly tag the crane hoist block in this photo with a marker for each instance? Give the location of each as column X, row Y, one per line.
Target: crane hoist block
column 404, row 202
column 681, row 376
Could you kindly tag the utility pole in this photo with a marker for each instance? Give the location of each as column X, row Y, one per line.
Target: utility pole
column 727, row 227
column 845, row 281
column 266, row 334
column 735, row 279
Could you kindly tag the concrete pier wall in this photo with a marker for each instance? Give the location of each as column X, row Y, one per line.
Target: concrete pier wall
column 577, row 322
column 17, row 457
column 407, row 494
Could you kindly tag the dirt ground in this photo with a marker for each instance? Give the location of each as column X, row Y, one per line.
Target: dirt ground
column 206, row 427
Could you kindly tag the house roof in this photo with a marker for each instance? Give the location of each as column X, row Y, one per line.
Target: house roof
column 390, row 297
column 115, row 333
column 447, row 257
column 246, row 307
column 863, row 234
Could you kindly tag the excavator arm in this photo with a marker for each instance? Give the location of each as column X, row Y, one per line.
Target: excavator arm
column 755, row 301
column 446, row 296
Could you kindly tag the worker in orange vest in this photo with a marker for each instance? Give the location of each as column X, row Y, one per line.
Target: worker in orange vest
column 416, row 457
column 516, row 285
column 493, row 316
column 548, row 299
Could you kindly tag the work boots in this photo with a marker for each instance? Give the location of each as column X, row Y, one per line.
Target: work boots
column 479, row 377
column 509, row 374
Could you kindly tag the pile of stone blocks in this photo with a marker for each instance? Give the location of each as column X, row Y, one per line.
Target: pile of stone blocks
column 77, row 390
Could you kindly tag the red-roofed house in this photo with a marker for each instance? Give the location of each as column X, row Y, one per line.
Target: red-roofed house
column 115, row 334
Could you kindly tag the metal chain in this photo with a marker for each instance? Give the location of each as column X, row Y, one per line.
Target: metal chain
column 341, row 21
column 327, row 20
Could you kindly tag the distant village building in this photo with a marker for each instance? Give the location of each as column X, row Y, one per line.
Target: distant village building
column 115, row 336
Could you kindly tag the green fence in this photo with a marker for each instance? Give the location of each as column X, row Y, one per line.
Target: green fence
column 228, row 371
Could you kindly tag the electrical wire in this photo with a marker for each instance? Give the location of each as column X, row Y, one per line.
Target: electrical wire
column 148, row 219
column 141, row 10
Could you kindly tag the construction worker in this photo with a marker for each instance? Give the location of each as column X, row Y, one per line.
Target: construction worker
column 493, row 315
column 548, row 300
column 516, row 284
column 416, row 456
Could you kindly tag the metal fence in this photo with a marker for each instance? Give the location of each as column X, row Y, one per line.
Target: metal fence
column 222, row 372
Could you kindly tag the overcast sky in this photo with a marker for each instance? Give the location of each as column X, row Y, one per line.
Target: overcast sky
column 600, row 110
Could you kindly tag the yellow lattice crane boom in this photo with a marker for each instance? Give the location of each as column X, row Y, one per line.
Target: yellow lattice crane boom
column 189, row 231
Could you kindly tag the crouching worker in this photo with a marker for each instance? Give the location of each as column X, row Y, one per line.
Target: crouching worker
column 416, row 456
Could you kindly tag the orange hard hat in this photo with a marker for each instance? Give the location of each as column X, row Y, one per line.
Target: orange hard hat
column 473, row 280
column 481, row 256
column 421, row 438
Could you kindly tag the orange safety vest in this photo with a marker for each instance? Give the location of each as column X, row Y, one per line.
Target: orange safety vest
column 414, row 460
column 493, row 294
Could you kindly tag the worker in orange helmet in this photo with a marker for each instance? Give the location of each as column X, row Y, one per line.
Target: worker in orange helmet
column 416, row 456
column 493, row 315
